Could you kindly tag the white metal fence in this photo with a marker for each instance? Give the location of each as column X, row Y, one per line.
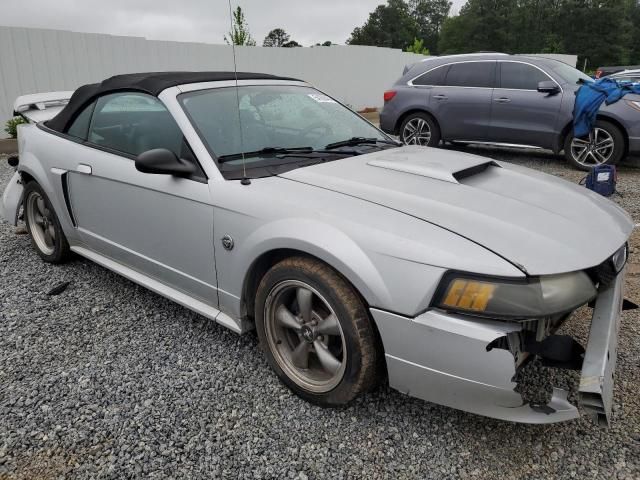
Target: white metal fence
column 36, row 60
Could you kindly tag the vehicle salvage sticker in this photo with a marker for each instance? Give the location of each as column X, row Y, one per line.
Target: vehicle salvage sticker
column 321, row 98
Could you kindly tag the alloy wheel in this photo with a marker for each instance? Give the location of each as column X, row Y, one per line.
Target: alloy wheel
column 596, row 150
column 305, row 336
column 416, row 132
column 41, row 223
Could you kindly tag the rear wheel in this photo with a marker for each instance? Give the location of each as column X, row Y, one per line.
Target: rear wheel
column 43, row 225
column 605, row 145
column 315, row 332
column 420, row 129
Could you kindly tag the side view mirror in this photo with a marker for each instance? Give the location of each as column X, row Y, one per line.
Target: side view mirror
column 549, row 87
column 163, row 161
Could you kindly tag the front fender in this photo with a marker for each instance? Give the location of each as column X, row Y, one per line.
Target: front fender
column 311, row 237
column 329, row 244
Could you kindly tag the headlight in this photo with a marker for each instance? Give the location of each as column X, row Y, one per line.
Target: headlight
column 619, row 258
column 513, row 298
column 635, row 104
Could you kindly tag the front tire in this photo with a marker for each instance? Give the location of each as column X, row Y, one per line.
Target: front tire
column 315, row 332
column 605, row 146
column 420, row 129
column 43, row 225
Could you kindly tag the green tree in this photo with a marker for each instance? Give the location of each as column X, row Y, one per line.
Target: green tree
column 389, row 25
column 634, row 38
column 418, row 47
column 429, row 16
column 601, row 31
column 291, row 44
column 239, row 34
column 276, row 38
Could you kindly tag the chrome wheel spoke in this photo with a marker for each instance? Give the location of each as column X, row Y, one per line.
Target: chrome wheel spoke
column 599, row 158
column 304, row 298
column 286, row 319
column 330, row 363
column 329, row 326
column 300, row 355
column 47, row 237
column 41, row 207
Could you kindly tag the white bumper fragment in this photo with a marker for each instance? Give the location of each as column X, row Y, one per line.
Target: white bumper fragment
column 11, row 199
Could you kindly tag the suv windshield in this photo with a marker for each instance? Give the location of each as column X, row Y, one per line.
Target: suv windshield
column 277, row 120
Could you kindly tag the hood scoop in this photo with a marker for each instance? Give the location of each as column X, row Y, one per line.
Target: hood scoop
column 448, row 168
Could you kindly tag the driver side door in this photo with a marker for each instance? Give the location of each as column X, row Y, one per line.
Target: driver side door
column 158, row 225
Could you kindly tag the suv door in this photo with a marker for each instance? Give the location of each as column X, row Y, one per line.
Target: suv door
column 520, row 114
column 159, row 225
column 462, row 104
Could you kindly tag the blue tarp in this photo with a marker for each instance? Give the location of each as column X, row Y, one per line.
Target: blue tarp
column 590, row 97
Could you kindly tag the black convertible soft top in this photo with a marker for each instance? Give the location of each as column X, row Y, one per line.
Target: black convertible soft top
column 152, row 83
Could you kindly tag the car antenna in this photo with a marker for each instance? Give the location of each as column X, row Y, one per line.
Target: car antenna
column 245, row 180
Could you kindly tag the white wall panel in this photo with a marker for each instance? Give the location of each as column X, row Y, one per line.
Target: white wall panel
column 38, row 60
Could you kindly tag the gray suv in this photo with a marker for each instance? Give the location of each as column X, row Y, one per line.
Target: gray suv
column 508, row 100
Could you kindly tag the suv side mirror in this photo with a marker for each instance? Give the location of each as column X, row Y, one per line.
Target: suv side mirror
column 548, row 86
column 163, row 161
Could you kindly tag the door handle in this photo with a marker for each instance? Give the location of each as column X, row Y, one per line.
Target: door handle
column 502, row 100
column 84, row 169
column 440, row 97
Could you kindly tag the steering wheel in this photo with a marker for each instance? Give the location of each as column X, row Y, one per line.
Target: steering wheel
column 307, row 132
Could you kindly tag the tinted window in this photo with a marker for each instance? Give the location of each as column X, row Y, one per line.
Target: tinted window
column 567, row 72
column 80, row 126
column 434, row 77
column 520, row 76
column 134, row 123
column 471, row 74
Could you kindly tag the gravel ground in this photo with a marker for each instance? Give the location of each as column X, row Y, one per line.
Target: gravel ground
column 109, row 380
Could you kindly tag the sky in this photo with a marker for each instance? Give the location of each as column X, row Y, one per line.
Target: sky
column 307, row 21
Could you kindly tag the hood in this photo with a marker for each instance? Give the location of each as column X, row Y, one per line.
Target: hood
column 538, row 222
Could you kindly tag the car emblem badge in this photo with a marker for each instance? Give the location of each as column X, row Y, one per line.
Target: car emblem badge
column 227, row 242
column 307, row 334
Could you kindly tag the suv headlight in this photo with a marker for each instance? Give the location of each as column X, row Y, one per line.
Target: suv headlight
column 513, row 299
column 634, row 103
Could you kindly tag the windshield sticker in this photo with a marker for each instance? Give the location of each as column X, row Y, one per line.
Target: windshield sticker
column 321, row 98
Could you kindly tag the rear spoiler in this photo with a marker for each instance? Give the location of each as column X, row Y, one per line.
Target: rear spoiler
column 39, row 107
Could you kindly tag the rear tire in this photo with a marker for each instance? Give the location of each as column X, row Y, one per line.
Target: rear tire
column 327, row 352
column 605, row 146
column 43, row 225
column 420, row 129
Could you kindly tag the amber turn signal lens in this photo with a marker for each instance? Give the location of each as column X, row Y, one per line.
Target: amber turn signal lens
column 469, row 295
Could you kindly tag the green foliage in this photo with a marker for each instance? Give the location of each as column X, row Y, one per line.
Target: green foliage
column 389, row 25
column 398, row 23
column 276, row 38
column 11, row 127
column 429, row 16
column 291, row 44
column 418, row 47
column 600, row 32
column 239, row 34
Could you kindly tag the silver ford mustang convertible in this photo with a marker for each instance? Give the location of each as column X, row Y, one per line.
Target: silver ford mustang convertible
column 263, row 202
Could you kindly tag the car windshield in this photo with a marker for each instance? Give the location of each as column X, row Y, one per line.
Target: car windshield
column 568, row 73
column 274, row 118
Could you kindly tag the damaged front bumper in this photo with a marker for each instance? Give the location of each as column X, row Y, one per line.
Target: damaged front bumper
column 448, row 359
